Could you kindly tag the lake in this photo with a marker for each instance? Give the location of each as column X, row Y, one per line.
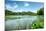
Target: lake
column 20, row 22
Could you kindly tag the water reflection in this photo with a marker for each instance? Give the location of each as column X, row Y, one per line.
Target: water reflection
column 19, row 24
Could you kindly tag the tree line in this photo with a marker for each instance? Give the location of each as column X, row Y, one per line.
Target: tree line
column 39, row 12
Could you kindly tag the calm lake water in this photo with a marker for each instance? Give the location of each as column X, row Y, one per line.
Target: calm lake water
column 20, row 22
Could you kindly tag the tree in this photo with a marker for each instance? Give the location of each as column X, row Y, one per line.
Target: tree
column 41, row 11
column 7, row 12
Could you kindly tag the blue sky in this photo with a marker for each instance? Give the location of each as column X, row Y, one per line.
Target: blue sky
column 19, row 6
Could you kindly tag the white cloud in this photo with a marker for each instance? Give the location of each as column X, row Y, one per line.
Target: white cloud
column 12, row 8
column 26, row 4
column 14, row 3
column 15, row 6
column 35, row 11
column 8, row 7
column 19, row 10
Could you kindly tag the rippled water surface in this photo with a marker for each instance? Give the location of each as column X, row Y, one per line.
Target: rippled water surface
column 20, row 22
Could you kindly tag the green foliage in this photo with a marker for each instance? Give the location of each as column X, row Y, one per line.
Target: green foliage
column 41, row 11
column 8, row 12
column 39, row 23
column 11, row 17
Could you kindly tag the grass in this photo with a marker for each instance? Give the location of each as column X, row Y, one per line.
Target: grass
column 37, row 25
column 12, row 17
